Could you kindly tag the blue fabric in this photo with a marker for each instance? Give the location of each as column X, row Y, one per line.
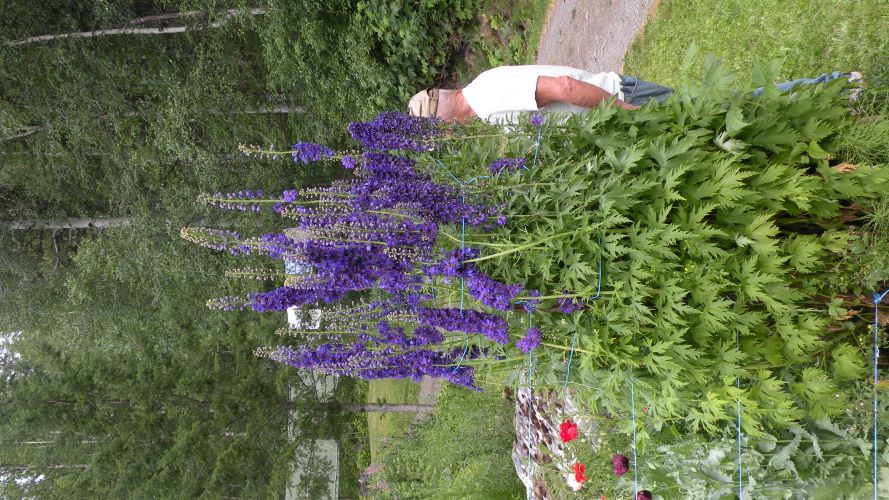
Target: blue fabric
column 637, row 91
column 788, row 86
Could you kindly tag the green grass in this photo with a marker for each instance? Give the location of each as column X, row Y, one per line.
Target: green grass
column 383, row 427
column 812, row 37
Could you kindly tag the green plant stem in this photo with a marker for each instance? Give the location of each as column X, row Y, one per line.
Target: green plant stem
column 479, row 243
column 524, row 247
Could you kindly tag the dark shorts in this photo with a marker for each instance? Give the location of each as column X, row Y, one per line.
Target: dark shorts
column 637, row 92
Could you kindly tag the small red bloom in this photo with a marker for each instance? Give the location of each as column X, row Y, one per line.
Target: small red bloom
column 645, row 410
column 579, row 469
column 568, row 431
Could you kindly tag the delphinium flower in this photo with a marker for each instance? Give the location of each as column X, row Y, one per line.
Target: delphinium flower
column 507, row 165
column 357, row 226
column 569, row 304
column 486, row 290
column 470, row 321
column 216, row 239
column 452, row 264
column 390, row 131
column 307, row 152
column 621, row 464
column 434, row 202
column 345, row 258
column 491, row 292
column 275, row 245
column 529, row 303
column 259, row 274
column 284, row 297
column 383, row 166
column 238, row 200
column 356, row 360
column 227, row 303
column 530, row 341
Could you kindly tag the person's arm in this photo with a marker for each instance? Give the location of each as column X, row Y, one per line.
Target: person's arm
column 552, row 89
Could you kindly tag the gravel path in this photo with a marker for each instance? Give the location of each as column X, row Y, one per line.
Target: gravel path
column 429, row 389
column 592, row 34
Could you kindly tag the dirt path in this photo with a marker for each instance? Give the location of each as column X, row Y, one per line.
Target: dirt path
column 429, row 389
column 592, row 34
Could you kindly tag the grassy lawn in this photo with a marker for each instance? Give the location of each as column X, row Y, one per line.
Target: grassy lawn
column 382, row 427
column 812, row 37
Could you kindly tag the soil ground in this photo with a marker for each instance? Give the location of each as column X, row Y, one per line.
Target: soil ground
column 591, row 34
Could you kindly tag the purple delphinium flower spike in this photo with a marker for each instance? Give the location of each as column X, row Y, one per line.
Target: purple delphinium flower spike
column 507, row 165
column 531, row 340
column 307, row 152
column 393, row 131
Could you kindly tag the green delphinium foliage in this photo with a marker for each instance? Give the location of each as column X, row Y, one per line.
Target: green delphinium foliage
column 716, row 216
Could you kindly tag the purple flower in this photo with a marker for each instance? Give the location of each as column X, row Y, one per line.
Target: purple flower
column 529, row 304
column 389, row 131
column 569, row 304
column 643, row 495
column 491, row 326
column 283, row 297
column 356, row 360
column 537, row 120
column 621, row 464
column 290, row 195
column 348, row 162
column 307, row 152
column 383, row 166
column 490, row 292
column 506, row 164
column 531, row 340
column 452, row 264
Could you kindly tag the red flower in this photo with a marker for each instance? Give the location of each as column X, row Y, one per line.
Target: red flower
column 579, row 469
column 568, row 431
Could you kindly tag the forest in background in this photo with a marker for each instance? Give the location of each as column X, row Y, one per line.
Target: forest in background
column 117, row 380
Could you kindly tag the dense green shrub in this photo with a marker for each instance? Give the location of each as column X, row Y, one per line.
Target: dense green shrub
column 416, row 39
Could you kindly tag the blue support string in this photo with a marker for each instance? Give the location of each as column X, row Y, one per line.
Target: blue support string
column 530, row 398
column 877, row 299
column 633, row 413
column 738, row 385
column 594, row 297
column 462, row 248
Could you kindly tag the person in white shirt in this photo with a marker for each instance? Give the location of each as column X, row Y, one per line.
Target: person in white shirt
column 501, row 95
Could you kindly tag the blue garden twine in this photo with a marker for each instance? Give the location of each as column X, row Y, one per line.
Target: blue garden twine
column 633, row 416
column 738, row 385
column 462, row 248
column 877, row 299
column 574, row 337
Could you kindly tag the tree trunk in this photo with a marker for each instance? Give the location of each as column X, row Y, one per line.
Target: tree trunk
column 26, row 131
column 99, row 223
column 139, row 31
column 389, row 407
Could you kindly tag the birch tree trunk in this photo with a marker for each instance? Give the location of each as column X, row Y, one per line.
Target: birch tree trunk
column 389, row 407
column 257, row 11
column 100, row 223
